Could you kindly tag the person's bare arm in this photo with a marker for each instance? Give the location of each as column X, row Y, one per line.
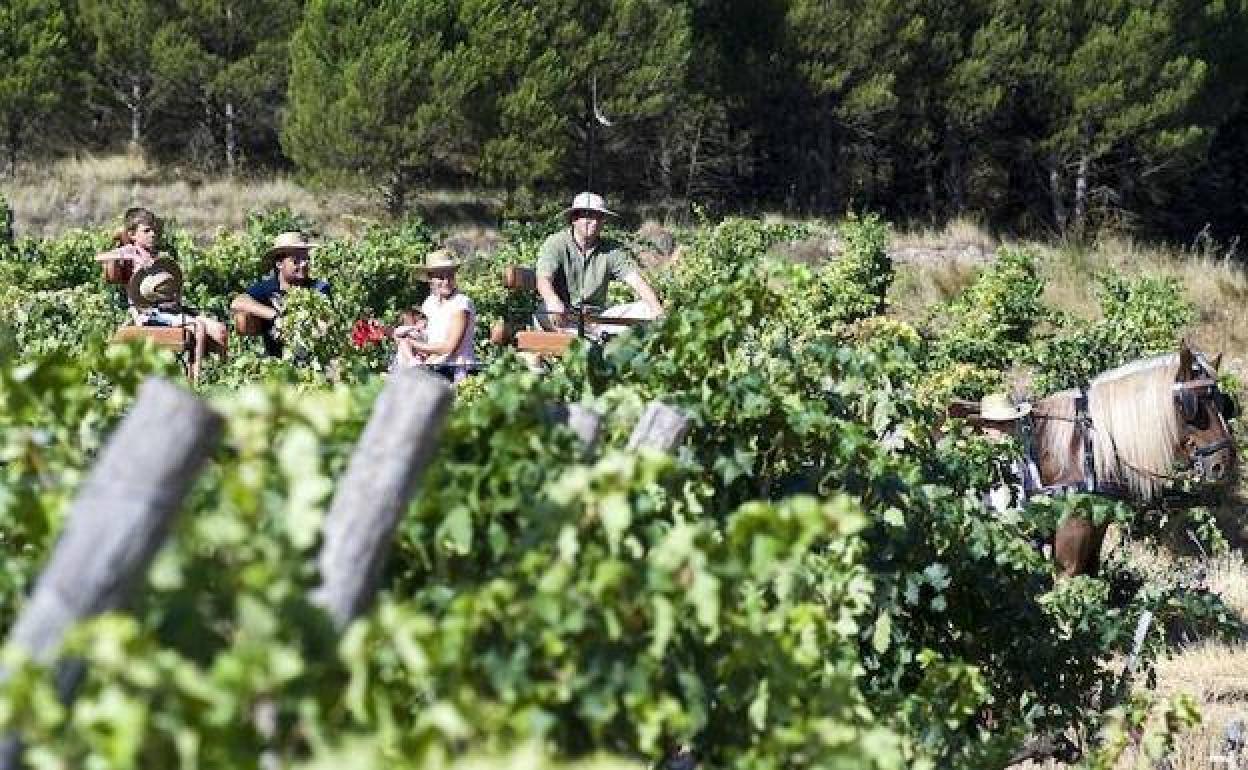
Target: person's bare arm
column 455, row 335
column 248, row 304
column 646, row 294
column 120, row 253
column 546, row 288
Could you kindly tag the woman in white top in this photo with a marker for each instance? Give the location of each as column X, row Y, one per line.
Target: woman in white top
column 448, row 344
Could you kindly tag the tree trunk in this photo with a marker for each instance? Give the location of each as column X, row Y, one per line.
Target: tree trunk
column 14, row 142
column 693, row 164
column 136, row 112
column 231, row 139
column 1081, row 193
column 828, row 148
column 1055, row 196
column 664, row 161
column 955, row 183
column 929, row 189
column 395, row 193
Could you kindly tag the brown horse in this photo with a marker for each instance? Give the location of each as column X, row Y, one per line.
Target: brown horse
column 1131, row 434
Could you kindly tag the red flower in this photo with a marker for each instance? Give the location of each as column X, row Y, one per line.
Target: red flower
column 368, row 331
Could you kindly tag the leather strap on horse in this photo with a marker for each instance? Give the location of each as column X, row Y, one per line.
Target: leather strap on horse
column 1083, row 423
column 1083, row 420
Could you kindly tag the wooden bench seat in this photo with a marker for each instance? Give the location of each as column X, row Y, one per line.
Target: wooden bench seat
column 544, row 343
column 175, row 338
column 168, row 337
column 519, row 279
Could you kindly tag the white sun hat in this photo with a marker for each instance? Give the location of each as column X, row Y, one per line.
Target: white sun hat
column 588, row 201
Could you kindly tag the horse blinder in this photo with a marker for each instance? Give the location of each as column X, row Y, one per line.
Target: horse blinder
column 1227, row 406
column 1211, row 461
column 1189, row 405
column 1189, row 396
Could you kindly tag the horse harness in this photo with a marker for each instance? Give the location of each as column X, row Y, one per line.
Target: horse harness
column 1083, row 420
column 1188, row 396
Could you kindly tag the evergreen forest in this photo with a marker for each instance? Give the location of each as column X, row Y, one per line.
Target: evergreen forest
column 1058, row 117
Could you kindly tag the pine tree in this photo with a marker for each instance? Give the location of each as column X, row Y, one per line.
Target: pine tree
column 849, row 58
column 1124, row 93
column 581, row 91
column 35, row 52
column 376, row 89
column 228, row 60
column 120, row 34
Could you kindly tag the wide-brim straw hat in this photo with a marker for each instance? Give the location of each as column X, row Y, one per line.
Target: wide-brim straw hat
column 588, row 201
column 159, row 283
column 997, row 407
column 440, row 259
column 287, row 242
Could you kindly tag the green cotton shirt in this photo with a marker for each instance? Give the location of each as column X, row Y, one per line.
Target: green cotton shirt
column 579, row 279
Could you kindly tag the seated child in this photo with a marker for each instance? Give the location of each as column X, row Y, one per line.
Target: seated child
column 155, row 287
column 412, row 328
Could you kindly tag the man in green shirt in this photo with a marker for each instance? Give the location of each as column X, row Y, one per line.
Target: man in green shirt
column 575, row 266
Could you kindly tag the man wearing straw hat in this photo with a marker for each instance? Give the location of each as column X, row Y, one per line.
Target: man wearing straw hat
column 576, row 265
column 1000, row 420
column 291, row 258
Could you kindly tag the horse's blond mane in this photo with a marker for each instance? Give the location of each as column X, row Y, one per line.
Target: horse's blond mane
column 1136, row 430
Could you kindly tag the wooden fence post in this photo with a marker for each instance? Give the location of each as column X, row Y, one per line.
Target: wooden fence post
column 115, row 525
column 389, row 459
column 660, row 427
column 585, row 423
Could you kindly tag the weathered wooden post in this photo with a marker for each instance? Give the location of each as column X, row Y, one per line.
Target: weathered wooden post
column 585, row 423
column 115, row 525
column 389, row 459
column 664, row 427
column 660, row 427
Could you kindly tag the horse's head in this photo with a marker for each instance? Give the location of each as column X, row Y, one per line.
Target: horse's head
column 1207, row 441
column 1156, row 416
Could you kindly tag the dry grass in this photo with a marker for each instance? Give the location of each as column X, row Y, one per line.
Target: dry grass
column 1214, row 674
column 964, row 233
column 933, row 266
column 93, row 191
column 1216, row 283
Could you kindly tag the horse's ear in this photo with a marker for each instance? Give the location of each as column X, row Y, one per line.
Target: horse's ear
column 1216, row 363
column 1186, row 359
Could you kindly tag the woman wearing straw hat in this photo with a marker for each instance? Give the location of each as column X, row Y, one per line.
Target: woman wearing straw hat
column 451, row 318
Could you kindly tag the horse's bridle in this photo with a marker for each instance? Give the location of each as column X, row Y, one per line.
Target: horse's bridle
column 1189, row 396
